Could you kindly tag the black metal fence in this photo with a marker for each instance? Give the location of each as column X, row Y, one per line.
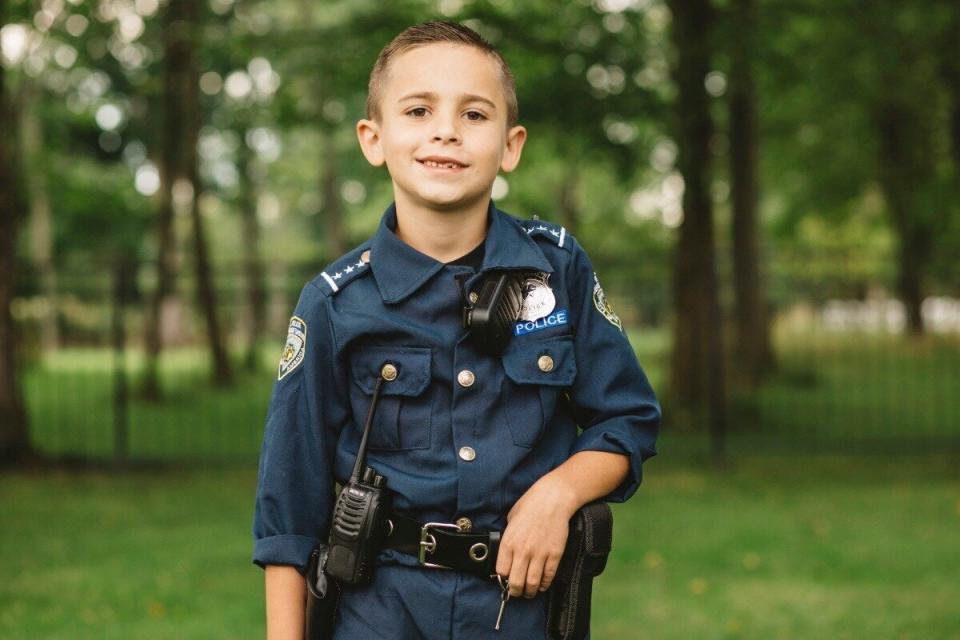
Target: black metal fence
column 847, row 379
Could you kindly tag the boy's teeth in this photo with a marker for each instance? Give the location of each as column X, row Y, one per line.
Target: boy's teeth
column 446, row 165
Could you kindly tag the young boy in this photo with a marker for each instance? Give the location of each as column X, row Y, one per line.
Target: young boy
column 482, row 442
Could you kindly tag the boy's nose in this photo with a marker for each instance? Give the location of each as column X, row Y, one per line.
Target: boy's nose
column 446, row 131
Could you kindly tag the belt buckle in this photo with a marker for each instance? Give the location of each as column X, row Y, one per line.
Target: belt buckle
column 428, row 543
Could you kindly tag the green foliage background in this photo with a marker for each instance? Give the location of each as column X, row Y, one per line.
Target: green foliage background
column 594, row 90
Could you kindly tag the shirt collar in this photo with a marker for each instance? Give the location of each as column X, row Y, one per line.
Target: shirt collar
column 399, row 269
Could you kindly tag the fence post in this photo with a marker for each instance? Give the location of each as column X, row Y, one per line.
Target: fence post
column 120, row 387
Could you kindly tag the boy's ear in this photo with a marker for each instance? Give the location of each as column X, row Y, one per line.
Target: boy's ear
column 368, row 133
column 516, row 136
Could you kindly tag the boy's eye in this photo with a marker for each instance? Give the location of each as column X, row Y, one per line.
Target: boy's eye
column 475, row 115
column 417, row 112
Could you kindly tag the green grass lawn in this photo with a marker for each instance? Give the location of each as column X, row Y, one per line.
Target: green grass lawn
column 773, row 547
column 870, row 391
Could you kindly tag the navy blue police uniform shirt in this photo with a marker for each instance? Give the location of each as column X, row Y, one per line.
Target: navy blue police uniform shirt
column 458, row 433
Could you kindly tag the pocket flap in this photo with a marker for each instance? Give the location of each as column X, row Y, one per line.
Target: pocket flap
column 412, row 365
column 545, row 362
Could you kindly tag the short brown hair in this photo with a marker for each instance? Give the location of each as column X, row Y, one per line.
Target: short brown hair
column 431, row 33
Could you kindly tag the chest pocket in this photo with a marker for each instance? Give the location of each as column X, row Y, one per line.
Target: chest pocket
column 538, row 371
column 403, row 414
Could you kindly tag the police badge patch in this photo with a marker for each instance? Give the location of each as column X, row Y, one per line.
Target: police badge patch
column 538, row 298
column 600, row 302
column 295, row 347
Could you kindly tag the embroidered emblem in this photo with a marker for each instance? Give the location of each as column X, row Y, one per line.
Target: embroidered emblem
column 538, row 298
column 555, row 319
column 294, row 349
column 559, row 234
column 602, row 305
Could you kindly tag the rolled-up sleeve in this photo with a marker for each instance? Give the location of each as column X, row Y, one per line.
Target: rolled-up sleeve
column 295, row 485
column 612, row 399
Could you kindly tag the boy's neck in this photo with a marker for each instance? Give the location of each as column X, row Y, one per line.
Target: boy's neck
column 442, row 235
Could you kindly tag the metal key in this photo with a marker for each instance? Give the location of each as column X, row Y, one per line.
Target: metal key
column 504, row 596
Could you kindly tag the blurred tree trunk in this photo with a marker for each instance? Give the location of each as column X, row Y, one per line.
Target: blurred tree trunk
column 206, row 293
column 188, row 34
column 567, row 199
column 175, row 77
column 335, row 238
column 953, row 84
column 165, row 270
column 697, row 371
column 950, row 71
column 252, row 263
column 903, row 168
column 754, row 354
column 41, row 217
column 14, row 434
column 180, row 186
column 904, row 116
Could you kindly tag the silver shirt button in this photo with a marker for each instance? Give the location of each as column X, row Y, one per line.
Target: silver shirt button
column 466, row 378
column 467, row 453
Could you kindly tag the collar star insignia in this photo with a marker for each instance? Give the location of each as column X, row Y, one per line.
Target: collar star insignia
column 337, row 275
column 349, row 269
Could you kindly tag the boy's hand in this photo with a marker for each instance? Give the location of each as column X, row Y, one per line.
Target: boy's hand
column 536, row 534
column 538, row 524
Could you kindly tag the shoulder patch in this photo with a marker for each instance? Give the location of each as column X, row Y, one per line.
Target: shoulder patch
column 553, row 233
column 345, row 270
column 603, row 305
column 295, row 347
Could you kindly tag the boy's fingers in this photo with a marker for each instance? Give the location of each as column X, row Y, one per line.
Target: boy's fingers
column 504, row 561
column 549, row 573
column 518, row 575
column 534, row 577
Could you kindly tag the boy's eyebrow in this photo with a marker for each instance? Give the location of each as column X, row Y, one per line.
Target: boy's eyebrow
column 467, row 97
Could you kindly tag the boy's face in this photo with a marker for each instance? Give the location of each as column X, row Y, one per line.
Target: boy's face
column 442, row 131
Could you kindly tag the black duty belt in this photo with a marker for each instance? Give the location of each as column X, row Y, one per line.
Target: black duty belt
column 443, row 545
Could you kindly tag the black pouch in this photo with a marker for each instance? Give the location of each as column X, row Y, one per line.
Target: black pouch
column 323, row 596
column 588, row 545
column 491, row 316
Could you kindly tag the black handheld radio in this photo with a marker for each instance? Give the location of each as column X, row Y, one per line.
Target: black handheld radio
column 360, row 516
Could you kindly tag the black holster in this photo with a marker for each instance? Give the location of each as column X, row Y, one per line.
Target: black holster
column 323, row 596
column 588, row 545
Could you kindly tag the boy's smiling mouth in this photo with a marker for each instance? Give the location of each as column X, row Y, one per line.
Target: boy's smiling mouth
column 441, row 162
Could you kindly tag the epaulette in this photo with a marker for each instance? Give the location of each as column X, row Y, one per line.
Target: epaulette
column 344, row 270
column 553, row 233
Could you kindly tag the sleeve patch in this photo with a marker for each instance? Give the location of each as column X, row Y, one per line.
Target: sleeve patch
column 602, row 305
column 295, row 347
